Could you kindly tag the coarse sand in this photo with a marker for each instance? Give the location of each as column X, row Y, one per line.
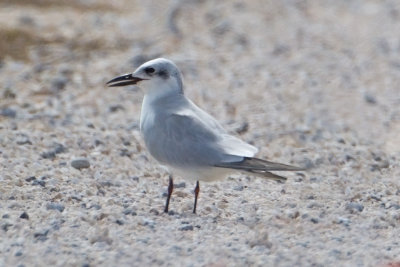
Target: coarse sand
column 310, row 83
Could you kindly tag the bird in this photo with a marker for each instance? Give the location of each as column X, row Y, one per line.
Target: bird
column 186, row 139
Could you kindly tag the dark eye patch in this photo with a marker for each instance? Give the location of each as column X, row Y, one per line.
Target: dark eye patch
column 163, row 74
column 149, row 70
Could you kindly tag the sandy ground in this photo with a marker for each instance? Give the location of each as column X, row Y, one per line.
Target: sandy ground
column 311, row 83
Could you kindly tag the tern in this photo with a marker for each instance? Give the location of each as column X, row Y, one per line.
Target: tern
column 186, row 139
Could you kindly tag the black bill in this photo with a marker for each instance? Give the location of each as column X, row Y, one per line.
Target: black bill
column 126, row 79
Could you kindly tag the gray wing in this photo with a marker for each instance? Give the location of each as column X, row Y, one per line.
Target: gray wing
column 230, row 144
column 183, row 141
column 186, row 141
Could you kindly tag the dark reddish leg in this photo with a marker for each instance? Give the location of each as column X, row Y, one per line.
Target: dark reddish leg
column 196, row 194
column 170, row 188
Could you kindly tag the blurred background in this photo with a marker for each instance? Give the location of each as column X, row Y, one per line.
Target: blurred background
column 311, row 83
column 339, row 59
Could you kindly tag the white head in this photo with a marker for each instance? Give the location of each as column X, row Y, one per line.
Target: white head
column 158, row 76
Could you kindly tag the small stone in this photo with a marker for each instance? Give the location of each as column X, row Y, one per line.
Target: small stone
column 27, row 20
column 59, row 83
column 307, row 163
column 186, row 228
column 180, row 185
column 55, row 206
column 119, row 222
column 222, row 28
column 148, row 222
column 41, row 236
column 181, row 194
column 6, row 226
column 314, row 220
column 39, row 182
column 80, row 163
column 129, row 211
column 30, row 179
column 380, row 165
column 57, row 149
column 8, row 93
column 98, row 142
column 125, row 153
column 244, row 127
column 354, row 207
column 23, row 140
column 293, row 214
column 154, row 211
column 95, row 206
column 116, row 107
column 370, row 99
column 238, row 188
column 8, row 112
column 18, row 254
column 24, row 215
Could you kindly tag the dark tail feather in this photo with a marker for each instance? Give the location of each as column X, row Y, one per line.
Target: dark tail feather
column 259, row 167
column 258, row 164
column 269, row 175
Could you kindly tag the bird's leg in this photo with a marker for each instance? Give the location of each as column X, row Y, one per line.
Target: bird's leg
column 196, row 194
column 170, row 188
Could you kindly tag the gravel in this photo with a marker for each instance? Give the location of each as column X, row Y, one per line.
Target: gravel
column 55, row 206
column 310, row 83
column 80, row 163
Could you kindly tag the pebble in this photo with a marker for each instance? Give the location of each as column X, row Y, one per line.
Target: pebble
column 41, row 236
column 354, row 207
column 24, row 215
column 8, row 112
column 30, row 179
column 238, row 188
column 23, row 140
column 115, row 108
column 307, row 163
column 180, row 185
column 342, row 220
column 154, row 211
column 293, row 214
column 314, row 220
column 39, row 182
column 26, row 20
column 243, row 128
column 18, row 254
column 125, row 153
column 148, row 222
column 6, row 226
column 129, row 211
column 186, row 228
column 57, row 149
column 119, row 222
column 58, row 83
column 80, row 163
column 370, row 99
column 55, row 206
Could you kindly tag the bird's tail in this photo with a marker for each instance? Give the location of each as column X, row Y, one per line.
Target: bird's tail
column 259, row 167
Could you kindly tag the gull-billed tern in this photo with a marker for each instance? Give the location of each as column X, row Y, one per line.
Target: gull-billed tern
column 183, row 137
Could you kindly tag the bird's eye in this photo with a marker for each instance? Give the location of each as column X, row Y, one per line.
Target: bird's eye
column 149, row 70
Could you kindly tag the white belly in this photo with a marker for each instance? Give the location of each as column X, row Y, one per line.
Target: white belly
column 201, row 174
